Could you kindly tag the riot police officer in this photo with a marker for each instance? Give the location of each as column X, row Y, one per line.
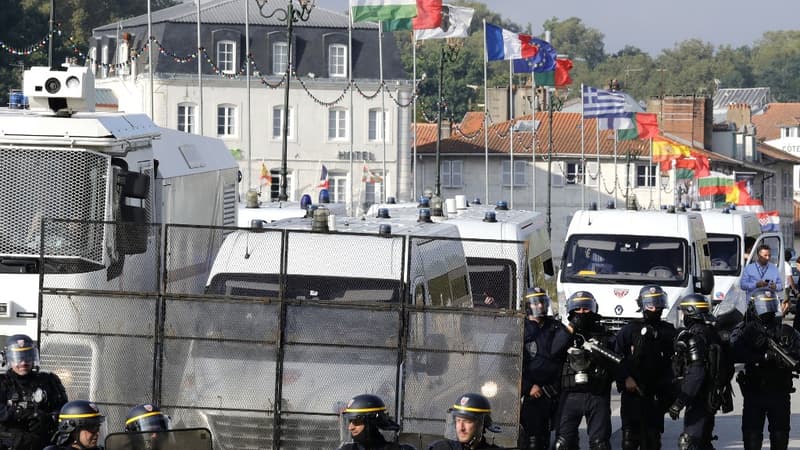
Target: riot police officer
column 766, row 382
column 645, row 376
column 586, row 377
column 28, row 398
column 692, row 347
column 545, row 343
column 147, row 421
column 467, row 422
column 362, row 421
column 78, row 426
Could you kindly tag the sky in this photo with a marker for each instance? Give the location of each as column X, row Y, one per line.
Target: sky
column 652, row 25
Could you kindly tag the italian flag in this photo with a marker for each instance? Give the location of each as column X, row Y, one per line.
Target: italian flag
column 377, row 10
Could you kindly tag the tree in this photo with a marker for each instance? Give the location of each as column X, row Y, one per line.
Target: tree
column 573, row 38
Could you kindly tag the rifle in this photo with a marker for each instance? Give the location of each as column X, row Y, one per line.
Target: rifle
column 594, row 347
column 781, row 355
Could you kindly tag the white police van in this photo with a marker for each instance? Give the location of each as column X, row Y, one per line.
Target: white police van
column 614, row 253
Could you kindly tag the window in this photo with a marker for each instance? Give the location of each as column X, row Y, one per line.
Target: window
column 186, row 117
column 280, row 57
column 520, row 173
column 374, row 191
column 591, row 173
column 337, row 124
column 646, row 175
column 226, row 120
column 337, row 61
column 574, row 173
column 226, row 56
column 557, row 175
column 338, row 188
column 123, row 58
column 275, row 187
column 786, row 185
column 104, row 60
column 452, row 174
column 377, row 125
column 277, row 123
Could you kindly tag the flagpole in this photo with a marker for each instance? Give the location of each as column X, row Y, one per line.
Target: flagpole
column 511, row 128
column 350, row 81
column 650, row 142
column 149, row 54
column 249, row 180
column 533, row 141
column 583, row 156
column 616, row 178
column 414, row 114
column 597, row 149
column 485, row 115
column 199, row 75
column 383, row 109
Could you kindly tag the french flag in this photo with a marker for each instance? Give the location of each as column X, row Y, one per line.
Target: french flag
column 503, row 44
column 324, row 183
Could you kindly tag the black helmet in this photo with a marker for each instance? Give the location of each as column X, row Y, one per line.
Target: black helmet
column 652, row 295
column 371, row 409
column 764, row 301
column 20, row 347
column 77, row 415
column 146, row 417
column 695, row 306
column 474, row 407
column 581, row 299
column 537, row 302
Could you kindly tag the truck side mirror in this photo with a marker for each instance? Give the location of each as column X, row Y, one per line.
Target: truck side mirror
column 705, row 284
column 131, row 230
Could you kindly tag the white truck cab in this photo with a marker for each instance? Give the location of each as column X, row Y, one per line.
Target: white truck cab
column 731, row 236
column 614, row 253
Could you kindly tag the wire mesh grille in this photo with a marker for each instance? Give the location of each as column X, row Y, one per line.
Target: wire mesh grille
column 219, row 359
column 39, row 183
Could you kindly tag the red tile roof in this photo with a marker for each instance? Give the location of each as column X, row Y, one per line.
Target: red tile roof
column 776, row 153
column 776, row 114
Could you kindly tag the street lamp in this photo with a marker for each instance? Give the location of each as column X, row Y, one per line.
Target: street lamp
column 449, row 53
column 290, row 15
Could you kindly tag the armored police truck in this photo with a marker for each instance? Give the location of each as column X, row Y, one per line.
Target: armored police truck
column 67, row 173
column 378, row 305
column 613, row 253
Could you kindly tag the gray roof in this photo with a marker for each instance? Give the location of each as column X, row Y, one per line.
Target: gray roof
column 105, row 97
column 233, row 12
column 757, row 98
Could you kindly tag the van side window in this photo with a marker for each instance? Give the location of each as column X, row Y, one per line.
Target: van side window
column 440, row 290
column 460, row 287
column 549, row 268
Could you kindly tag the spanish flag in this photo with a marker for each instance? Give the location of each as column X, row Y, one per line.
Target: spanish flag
column 667, row 150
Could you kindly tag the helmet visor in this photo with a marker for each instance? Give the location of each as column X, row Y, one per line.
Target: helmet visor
column 538, row 306
column 16, row 355
column 156, row 422
column 464, row 427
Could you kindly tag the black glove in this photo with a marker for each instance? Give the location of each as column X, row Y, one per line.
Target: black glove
column 675, row 408
column 38, row 424
column 23, row 415
column 754, row 335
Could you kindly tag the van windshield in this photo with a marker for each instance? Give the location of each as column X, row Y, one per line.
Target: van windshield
column 625, row 259
column 307, row 287
column 726, row 254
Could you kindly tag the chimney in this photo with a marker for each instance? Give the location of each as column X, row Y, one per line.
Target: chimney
column 447, row 129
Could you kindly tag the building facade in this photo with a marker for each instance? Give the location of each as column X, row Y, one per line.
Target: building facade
column 351, row 130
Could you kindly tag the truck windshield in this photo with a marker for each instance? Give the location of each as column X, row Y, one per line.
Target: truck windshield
column 625, row 259
column 726, row 254
column 307, row 287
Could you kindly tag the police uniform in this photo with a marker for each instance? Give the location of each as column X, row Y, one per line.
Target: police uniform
column 586, row 379
column 766, row 382
column 546, row 340
column 371, row 411
column 28, row 402
column 646, row 344
column 476, row 408
column 691, row 358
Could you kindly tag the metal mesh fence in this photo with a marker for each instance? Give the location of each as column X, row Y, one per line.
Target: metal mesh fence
column 66, row 184
column 267, row 355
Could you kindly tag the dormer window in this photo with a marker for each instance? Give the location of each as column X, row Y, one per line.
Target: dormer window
column 790, row 132
column 280, row 57
column 226, row 57
column 337, row 61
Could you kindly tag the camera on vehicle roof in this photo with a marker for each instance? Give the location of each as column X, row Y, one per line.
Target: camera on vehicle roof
column 65, row 89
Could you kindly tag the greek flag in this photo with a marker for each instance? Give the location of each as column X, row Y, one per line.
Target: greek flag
column 603, row 104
